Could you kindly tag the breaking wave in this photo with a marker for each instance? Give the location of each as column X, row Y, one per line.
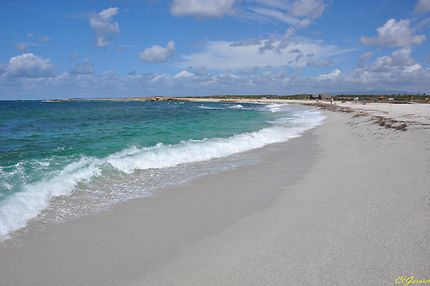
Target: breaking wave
column 21, row 207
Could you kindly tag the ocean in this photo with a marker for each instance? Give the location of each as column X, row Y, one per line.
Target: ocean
column 65, row 159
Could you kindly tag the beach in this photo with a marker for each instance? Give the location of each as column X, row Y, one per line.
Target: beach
column 243, row 143
column 346, row 203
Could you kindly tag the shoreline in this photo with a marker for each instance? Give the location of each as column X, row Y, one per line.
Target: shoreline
column 152, row 230
column 84, row 179
column 347, row 201
column 413, row 113
column 403, row 112
column 359, row 217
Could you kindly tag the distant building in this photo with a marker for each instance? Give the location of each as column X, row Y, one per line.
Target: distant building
column 321, row 96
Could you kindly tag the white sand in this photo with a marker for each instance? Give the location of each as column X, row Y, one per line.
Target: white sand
column 346, row 204
column 403, row 112
column 414, row 112
column 360, row 216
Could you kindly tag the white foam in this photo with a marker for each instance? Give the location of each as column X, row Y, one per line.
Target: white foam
column 163, row 156
column 202, row 106
column 17, row 210
column 21, row 207
column 236, row 106
column 278, row 107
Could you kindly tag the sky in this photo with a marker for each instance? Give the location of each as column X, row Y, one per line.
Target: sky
column 127, row 48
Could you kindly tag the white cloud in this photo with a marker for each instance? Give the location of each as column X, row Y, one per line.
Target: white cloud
column 183, row 74
column 394, row 34
column 422, row 6
column 311, row 9
column 397, row 70
column 414, row 78
column 400, row 59
column 156, row 54
column 202, row 8
column 298, row 13
column 102, row 23
column 29, row 65
column 333, row 75
column 29, row 75
column 278, row 15
column 223, row 55
column 412, row 68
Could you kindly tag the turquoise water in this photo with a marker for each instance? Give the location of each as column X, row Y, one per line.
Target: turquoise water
column 39, row 137
column 58, row 150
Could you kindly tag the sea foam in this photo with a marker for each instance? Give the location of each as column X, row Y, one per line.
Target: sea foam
column 17, row 210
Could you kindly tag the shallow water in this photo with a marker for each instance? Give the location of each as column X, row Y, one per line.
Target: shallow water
column 71, row 158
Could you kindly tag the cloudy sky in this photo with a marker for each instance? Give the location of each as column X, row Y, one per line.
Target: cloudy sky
column 62, row 49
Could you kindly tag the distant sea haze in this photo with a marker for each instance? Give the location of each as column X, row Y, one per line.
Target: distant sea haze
column 60, row 160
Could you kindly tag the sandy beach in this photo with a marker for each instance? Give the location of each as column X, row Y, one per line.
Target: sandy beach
column 415, row 113
column 347, row 203
column 215, row 143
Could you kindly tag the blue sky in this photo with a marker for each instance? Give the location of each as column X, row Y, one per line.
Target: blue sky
column 61, row 49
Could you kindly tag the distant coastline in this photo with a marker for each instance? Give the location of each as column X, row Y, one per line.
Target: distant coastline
column 391, row 111
column 391, row 98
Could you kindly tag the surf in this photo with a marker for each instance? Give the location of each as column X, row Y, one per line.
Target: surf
column 21, row 207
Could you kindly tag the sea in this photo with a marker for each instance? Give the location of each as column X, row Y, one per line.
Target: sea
column 60, row 160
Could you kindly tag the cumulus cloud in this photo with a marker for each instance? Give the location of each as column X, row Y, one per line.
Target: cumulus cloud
column 395, row 34
column 410, row 78
column 202, row 8
column 395, row 71
column 422, row 6
column 30, row 75
column 296, row 53
column 29, row 65
column 157, row 54
column 104, row 26
column 400, row 59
